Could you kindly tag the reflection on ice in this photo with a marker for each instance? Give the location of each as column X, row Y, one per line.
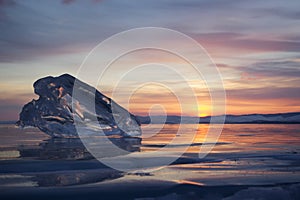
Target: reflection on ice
column 56, row 148
column 75, row 178
column 73, row 148
column 59, row 162
column 8, row 154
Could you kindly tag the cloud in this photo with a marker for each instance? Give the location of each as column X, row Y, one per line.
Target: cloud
column 264, row 93
column 274, row 69
column 267, row 69
column 7, row 3
column 242, row 42
column 283, row 13
column 29, row 30
column 68, row 1
column 4, row 4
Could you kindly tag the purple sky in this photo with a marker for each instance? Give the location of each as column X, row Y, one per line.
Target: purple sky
column 255, row 44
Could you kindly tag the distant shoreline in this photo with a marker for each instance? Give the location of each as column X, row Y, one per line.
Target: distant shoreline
column 277, row 118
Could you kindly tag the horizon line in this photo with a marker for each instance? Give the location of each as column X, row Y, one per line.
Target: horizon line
column 197, row 116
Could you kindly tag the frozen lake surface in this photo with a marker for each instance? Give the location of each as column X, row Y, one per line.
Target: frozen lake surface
column 248, row 161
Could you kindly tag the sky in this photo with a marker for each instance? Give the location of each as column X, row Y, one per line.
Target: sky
column 255, row 45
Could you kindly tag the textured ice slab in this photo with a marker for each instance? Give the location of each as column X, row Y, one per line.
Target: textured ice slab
column 54, row 114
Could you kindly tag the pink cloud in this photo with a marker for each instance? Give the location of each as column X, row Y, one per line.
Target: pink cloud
column 238, row 43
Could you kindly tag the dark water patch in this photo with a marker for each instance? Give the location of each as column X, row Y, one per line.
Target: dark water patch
column 246, row 135
column 141, row 174
column 192, row 160
column 67, row 178
column 26, row 166
column 182, row 145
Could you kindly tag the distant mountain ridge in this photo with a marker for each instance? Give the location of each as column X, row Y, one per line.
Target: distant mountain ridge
column 278, row 118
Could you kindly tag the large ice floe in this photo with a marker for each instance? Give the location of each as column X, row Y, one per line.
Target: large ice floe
column 57, row 109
